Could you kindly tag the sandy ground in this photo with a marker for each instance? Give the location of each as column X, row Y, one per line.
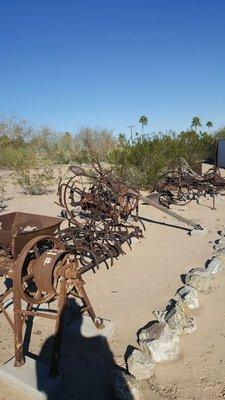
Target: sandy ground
column 142, row 281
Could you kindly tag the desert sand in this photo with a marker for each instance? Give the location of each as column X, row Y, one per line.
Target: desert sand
column 141, row 281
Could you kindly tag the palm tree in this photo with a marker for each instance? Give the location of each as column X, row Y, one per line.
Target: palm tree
column 196, row 122
column 209, row 124
column 143, row 121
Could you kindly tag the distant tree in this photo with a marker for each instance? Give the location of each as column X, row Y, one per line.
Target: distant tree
column 122, row 139
column 209, row 125
column 143, row 121
column 195, row 123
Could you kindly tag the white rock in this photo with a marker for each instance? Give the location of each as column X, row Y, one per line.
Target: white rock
column 160, row 315
column 222, row 232
column 140, row 364
column 160, row 342
column 190, row 296
column 199, row 279
column 216, row 266
column 221, row 256
column 219, row 246
column 198, row 232
column 180, row 320
column 221, row 252
column 221, row 241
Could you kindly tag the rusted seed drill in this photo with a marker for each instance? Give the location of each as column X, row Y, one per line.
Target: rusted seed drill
column 44, row 263
column 40, row 270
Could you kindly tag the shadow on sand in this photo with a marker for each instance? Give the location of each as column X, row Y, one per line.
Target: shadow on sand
column 85, row 368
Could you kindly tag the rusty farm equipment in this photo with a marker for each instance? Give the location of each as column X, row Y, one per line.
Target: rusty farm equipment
column 43, row 263
column 182, row 185
column 91, row 201
column 38, row 269
column 99, row 212
column 95, row 196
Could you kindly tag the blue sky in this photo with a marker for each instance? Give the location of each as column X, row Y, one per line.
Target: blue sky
column 102, row 63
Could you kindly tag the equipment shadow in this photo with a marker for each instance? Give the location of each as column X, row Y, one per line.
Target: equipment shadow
column 85, row 367
column 163, row 224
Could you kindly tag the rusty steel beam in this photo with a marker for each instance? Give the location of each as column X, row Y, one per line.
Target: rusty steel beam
column 165, row 210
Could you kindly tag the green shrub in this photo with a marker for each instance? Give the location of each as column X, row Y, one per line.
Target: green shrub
column 32, row 152
column 37, row 180
column 150, row 156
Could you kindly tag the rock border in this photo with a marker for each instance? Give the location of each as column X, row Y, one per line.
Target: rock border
column 159, row 340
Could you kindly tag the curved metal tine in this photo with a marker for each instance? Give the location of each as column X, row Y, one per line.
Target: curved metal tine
column 67, row 186
column 115, row 244
column 106, row 263
column 120, row 235
column 138, row 232
column 127, row 230
column 84, row 264
column 64, row 232
column 100, row 171
column 107, row 251
column 94, row 257
column 71, row 216
column 95, row 248
column 137, row 209
column 74, row 183
column 128, row 241
column 123, row 237
column 71, row 196
column 93, row 232
column 131, row 234
column 59, row 192
column 73, row 234
column 106, row 227
column 85, row 233
column 122, row 225
column 142, row 223
column 71, row 246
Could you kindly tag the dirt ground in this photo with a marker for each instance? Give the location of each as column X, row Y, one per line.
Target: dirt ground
column 144, row 280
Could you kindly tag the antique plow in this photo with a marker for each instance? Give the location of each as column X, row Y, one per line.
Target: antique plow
column 38, row 269
column 182, row 185
column 98, row 206
column 98, row 209
column 95, row 196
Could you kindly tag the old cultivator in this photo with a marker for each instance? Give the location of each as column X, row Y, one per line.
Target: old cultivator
column 182, row 185
column 99, row 210
column 43, row 263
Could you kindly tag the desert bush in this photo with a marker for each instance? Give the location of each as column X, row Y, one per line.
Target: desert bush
column 12, row 157
column 14, row 143
column 37, row 180
column 93, row 143
column 24, row 147
column 152, row 155
column 63, row 148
